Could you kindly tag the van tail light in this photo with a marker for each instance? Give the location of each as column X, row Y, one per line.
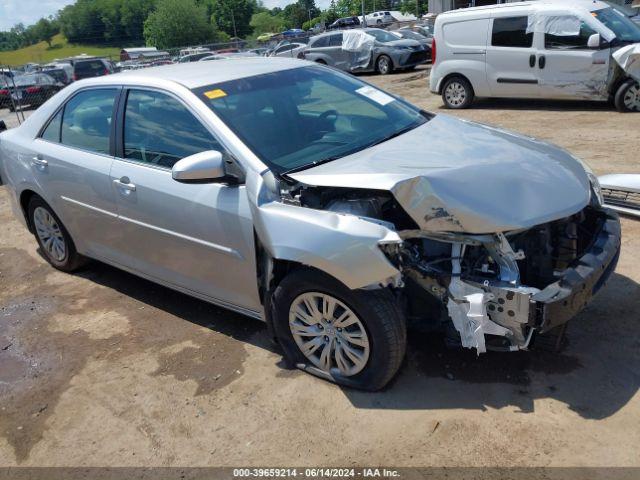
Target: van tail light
column 106, row 72
column 74, row 77
column 433, row 52
column 4, row 91
column 33, row 89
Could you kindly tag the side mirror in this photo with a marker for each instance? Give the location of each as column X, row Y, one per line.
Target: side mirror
column 203, row 166
column 594, row 41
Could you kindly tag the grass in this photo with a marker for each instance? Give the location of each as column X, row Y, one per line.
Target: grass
column 60, row 48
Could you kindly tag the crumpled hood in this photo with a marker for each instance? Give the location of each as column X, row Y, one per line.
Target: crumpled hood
column 459, row 176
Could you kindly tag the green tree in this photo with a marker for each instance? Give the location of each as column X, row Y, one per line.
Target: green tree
column 264, row 22
column 233, row 16
column 177, row 23
column 45, row 29
column 133, row 13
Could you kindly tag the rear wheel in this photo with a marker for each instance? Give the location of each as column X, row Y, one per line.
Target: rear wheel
column 355, row 338
column 627, row 98
column 384, row 65
column 53, row 238
column 457, row 93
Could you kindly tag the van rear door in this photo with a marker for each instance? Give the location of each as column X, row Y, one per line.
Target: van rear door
column 566, row 66
column 511, row 57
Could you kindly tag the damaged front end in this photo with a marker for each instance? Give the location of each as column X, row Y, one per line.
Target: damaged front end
column 496, row 290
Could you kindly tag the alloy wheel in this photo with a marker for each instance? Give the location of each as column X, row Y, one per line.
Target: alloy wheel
column 50, row 234
column 383, row 65
column 455, row 94
column 632, row 98
column 329, row 333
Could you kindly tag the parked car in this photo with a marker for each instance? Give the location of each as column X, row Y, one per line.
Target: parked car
column 411, row 35
column 346, row 22
column 194, row 57
column 226, row 56
column 300, row 195
column 424, row 30
column 286, row 49
column 91, row 67
column 627, row 10
column 567, row 54
column 31, row 89
column 379, row 18
column 292, row 32
column 621, row 192
column 66, row 76
column 389, row 52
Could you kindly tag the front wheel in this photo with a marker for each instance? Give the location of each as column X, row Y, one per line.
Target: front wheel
column 457, row 93
column 355, row 338
column 384, row 65
column 627, row 98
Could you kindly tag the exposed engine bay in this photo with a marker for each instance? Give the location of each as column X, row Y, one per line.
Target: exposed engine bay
column 497, row 290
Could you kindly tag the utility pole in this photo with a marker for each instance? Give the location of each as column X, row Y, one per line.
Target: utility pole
column 364, row 19
column 233, row 20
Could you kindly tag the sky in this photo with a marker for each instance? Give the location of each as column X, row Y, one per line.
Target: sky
column 30, row 11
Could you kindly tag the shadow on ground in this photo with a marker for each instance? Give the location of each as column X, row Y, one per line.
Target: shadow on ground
column 539, row 105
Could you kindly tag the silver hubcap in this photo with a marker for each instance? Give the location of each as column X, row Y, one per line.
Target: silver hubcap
column 632, row 97
column 383, row 65
column 328, row 333
column 49, row 234
column 455, row 94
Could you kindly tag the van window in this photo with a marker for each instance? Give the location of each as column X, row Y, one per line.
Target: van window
column 511, row 32
column 320, row 42
column 569, row 42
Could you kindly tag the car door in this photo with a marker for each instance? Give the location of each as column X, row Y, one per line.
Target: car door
column 511, row 58
column 71, row 164
column 339, row 56
column 566, row 66
column 194, row 236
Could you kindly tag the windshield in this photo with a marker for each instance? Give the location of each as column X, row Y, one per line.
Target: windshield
column 624, row 29
column 382, row 35
column 300, row 117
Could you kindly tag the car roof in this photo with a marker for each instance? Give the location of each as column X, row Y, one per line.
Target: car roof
column 590, row 5
column 199, row 74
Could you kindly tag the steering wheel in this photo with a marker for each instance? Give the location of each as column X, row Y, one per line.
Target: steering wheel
column 324, row 116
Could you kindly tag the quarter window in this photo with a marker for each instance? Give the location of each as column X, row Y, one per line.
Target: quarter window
column 52, row 132
column 563, row 38
column 160, row 130
column 511, row 32
column 86, row 121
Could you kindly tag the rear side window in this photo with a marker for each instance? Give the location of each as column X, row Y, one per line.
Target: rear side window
column 160, row 130
column 92, row 68
column 86, row 121
column 569, row 33
column 466, row 33
column 335, row 40
column 511, row 32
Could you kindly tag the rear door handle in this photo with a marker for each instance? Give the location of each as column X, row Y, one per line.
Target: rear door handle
column 38, row 161
column 542, row 61
column 125, row 184
column 532, row 60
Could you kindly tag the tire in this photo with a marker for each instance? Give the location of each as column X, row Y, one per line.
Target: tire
column 379, row 328
column 457, row 93
column 384, row 65
column 61, row 251
column 627, row 98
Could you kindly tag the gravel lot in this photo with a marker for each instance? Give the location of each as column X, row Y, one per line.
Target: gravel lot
column 104, row 369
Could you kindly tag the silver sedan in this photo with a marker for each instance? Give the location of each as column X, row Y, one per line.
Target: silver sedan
column 307, row 198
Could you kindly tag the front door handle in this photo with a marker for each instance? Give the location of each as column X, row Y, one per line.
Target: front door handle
column 38, row 161
column 542, row 61
column 532, row 60
column 125, row 184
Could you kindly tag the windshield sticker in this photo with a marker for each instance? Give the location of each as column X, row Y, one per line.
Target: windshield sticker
column 375, row 95
column 213, row 94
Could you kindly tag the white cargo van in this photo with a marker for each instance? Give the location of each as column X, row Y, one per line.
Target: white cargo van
column 544, row 49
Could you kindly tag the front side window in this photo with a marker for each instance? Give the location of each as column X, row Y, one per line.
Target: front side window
column 86, row 120
column 511, row 32
column 567, row 33
column 320, row 42
column 335, row 40
column 160, row 130
column 296, row 118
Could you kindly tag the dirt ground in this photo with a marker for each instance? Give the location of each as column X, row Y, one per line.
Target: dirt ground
column 102, row 368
